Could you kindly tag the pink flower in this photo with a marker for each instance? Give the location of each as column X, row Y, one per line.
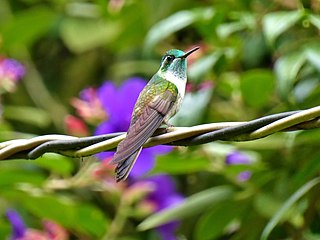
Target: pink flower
column 75, row 126
column 89, row 106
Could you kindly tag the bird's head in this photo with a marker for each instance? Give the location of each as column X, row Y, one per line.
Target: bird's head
column 175, row 61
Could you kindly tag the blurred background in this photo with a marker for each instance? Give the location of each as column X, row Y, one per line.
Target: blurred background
column 77, row 67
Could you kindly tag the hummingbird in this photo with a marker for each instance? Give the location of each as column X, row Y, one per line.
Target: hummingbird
column 159, row 100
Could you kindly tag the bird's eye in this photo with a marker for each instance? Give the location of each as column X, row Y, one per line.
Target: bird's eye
column 169, row 58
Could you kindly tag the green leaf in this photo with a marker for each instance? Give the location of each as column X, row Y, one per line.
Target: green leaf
column 309, row 169
column 305, row 88
column 257, row 86
column 5, row 228
column 226, row 29
column 83, row 34
column 27, row 26
column 12, row 177
column 191, row 206
column 274, row 24
column 183, row 163
column 174, row 23
column 79, row 216
column 286, row 206
column 315, row 20
column 91, row 219
column 215, row 220
column 311, row 236
column 193, row 107
column 267, row 205
column 56, row 163
column 287, row 69
column 51, row 207
column 30, row 115
column 127, row 69
column 312, row 53
column 245, row 20
column 254, row 50
column 203, row 65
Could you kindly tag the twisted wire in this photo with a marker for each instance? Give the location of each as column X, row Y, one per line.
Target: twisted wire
column 176, row 136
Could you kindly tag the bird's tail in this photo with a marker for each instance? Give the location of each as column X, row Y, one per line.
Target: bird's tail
column 124, row 167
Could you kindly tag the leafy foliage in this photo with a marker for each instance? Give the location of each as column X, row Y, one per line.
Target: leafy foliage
column 255, row 58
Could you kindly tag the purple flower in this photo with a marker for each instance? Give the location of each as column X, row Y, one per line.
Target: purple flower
column 118, row 103
column 244, row 176
column 51, row 231
column 236, row 157
column 162, row 197
column 239, row 158
column 10, row 72
column 18, row 227
column 10, row 68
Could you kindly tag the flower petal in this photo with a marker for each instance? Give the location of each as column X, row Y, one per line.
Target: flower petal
column 13, row 69
column 164, row 187
column 167, row 231
column 103, row 155
column 18, row 226
column 105, row 127
column 55, row 231
column 173, row 200
column 108, row 96
column 237, row 158
column 130, row 90
column 128, row 94
column 144, row 164
column 160, row 149
column 244, row 176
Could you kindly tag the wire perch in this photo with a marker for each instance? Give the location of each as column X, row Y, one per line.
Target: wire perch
column 175, row 136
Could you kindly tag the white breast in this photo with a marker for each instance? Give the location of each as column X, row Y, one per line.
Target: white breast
column 176, row 80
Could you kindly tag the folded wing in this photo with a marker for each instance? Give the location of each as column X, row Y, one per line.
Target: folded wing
column 139, row 132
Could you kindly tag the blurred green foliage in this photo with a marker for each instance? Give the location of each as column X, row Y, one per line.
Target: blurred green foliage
column 261, row 57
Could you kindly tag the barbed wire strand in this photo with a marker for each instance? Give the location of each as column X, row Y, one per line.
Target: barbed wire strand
column 177, row 136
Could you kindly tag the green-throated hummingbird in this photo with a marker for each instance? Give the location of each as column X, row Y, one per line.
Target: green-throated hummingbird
column 160, row 99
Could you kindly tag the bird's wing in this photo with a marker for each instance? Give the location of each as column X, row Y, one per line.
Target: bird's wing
column 123, row 168
column 143, row 128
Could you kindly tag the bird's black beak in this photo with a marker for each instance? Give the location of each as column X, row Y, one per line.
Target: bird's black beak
column 189, row 52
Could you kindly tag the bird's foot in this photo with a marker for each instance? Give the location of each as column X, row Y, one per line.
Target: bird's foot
column 165, row 128
column 169, row 125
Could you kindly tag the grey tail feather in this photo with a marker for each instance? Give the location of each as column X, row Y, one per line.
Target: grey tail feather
column 124, row 167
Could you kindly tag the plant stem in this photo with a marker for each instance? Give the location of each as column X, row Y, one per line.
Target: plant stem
column 118, row 222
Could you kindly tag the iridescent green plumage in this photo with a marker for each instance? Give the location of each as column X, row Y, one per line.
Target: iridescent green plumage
column 156, row 104
column 156, row 86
